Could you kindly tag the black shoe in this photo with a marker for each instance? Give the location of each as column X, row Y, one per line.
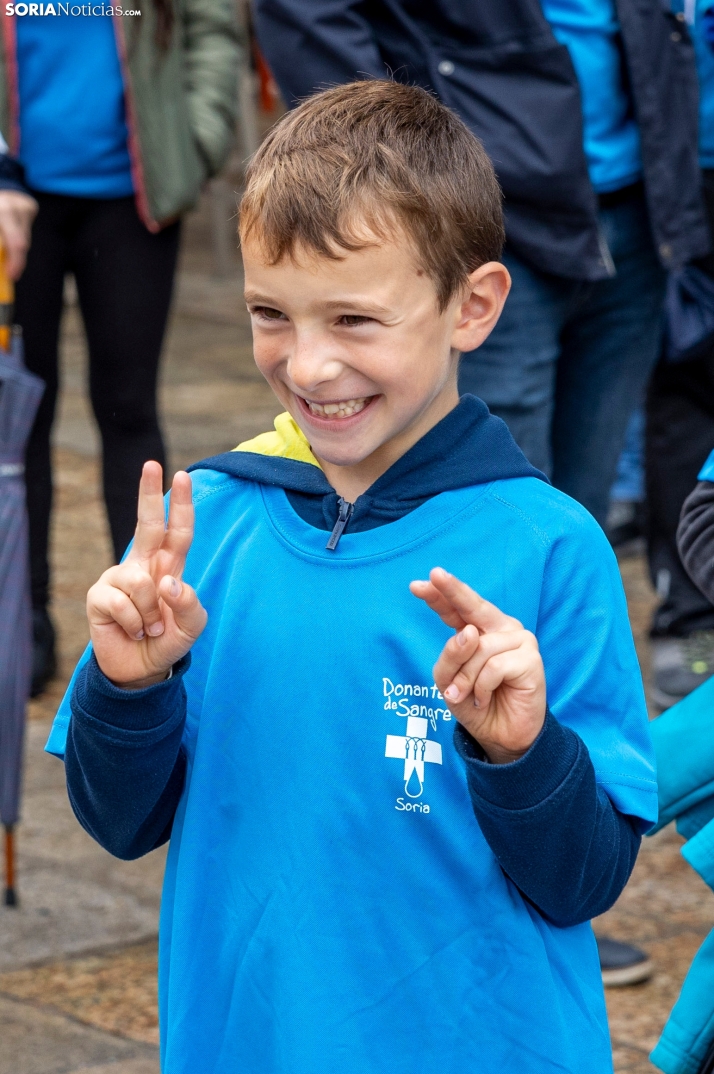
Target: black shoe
column 44, row 660
column 622, row 964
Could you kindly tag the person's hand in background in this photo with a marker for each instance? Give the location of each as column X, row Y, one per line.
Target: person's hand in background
column 17, row 211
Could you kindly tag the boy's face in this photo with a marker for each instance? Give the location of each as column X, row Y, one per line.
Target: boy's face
column 358, row 352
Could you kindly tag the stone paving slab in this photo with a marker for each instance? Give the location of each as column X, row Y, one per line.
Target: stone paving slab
column 208, row 299
column 124, row 1066
column 37, row 1041
column 74, row 897
column 61, row 915
column 116, row 992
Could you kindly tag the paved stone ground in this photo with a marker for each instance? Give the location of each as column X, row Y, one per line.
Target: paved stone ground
column 78, row 958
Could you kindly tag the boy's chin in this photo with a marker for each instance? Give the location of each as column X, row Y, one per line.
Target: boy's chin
column 345, row 451
column 344, row 459
column 346, row 455
column 353, row 452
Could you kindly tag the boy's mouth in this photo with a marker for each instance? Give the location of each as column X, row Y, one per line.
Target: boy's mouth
column 345, row 408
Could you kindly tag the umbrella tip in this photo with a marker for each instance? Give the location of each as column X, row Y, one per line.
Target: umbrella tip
column 10, row 892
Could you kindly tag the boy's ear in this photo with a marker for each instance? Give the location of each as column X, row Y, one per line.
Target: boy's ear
column 479, row 307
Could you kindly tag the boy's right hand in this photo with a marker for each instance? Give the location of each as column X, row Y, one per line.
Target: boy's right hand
column 142, row 617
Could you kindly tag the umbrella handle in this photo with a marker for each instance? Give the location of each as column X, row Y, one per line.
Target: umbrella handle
column 7, row 301
column 10, row 893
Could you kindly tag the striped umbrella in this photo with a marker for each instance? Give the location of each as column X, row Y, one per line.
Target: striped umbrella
column 20, row 394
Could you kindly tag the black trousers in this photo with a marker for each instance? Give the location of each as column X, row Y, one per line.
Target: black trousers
column 679, row 434
column 124, row 278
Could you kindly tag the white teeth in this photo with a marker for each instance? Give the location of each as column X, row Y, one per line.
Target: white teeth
column 344, row 409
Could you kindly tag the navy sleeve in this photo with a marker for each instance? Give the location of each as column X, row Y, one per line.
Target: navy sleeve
column 12, row 174
column 555, row 833
column 333, row 39
column 124, row 763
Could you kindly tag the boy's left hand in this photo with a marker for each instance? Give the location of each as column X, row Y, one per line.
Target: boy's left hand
column 491, row 672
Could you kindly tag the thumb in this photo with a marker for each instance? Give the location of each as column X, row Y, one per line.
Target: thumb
column 189, row 614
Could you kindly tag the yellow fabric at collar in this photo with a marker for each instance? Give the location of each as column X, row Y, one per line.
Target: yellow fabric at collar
column 287, row 442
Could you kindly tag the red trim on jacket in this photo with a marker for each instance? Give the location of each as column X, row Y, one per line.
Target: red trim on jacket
column 137, row 167
column 13, row 89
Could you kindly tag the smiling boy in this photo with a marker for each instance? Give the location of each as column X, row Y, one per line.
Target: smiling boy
column 378, row 863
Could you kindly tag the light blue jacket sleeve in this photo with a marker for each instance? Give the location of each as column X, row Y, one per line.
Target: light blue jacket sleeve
column 684, row 743
column 58, row 735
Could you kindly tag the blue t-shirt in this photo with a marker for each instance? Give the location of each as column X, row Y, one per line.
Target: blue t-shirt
column 73, row 133
column 611, row 136
column 330, row 902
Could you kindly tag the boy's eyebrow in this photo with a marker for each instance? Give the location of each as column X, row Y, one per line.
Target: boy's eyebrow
column 364, row 305
column 255, row 296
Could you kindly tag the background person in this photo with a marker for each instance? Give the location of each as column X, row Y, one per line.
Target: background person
column 679, row 435
column 116, row 122
column 597, row 204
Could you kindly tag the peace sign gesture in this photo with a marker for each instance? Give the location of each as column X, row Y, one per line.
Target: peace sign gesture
column 142, row 617
column 490, row 672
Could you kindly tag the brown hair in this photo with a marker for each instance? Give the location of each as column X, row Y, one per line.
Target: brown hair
column 376, row 153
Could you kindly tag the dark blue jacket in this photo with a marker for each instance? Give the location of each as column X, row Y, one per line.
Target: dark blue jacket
column 498, row 64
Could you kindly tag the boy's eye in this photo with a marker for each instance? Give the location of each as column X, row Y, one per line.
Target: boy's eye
column 351, row 319
column 268, row 313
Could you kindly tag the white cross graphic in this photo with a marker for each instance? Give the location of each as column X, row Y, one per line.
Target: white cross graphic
column 414, row 749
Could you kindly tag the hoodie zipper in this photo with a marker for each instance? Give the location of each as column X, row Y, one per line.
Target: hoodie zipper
column 343, row 516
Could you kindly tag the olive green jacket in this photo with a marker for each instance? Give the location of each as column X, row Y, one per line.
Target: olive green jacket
column 180, row 102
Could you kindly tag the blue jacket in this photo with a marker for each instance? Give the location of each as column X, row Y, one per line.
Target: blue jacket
column 328, row 887
column 685, row 748
column 498, row 64
column 684, row 745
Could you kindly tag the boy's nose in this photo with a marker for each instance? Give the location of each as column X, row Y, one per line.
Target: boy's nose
column 312, row 363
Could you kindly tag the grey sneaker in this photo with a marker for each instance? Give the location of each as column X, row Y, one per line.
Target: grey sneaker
column 621, row 963
column 680, row 665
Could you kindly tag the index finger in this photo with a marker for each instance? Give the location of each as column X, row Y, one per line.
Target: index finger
column 471, row 607
column 150, row 525
column 433, row 599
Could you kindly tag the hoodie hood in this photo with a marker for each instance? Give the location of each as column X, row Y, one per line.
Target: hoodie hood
column 468, row 447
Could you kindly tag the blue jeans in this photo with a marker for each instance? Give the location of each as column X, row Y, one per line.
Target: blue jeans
column 569, row 360
column 629, row 483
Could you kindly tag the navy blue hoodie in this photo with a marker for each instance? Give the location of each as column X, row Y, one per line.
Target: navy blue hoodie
column 543, row 816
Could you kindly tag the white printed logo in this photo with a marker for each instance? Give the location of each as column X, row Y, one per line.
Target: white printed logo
column 415, row 749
